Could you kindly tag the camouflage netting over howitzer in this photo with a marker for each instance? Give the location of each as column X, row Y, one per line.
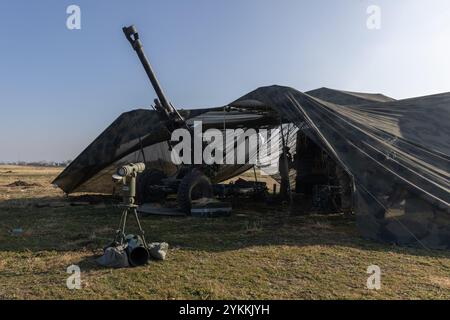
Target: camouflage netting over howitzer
column 397, row 153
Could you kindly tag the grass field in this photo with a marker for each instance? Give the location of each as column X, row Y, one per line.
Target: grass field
column 260, row 252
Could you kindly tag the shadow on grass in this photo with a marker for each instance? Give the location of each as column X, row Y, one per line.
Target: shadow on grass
column 49, row 201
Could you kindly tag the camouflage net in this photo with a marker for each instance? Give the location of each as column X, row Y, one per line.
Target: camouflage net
column 397, row 153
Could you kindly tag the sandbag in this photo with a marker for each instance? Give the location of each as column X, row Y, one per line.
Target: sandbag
column 114, row 257
column 158, row 250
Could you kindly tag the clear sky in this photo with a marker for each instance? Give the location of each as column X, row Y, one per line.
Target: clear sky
column 60, row 88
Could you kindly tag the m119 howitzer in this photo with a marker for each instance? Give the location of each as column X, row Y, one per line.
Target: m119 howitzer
column 190, row 181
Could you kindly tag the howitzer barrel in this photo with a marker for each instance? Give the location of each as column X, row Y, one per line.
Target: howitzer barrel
column 133, row 37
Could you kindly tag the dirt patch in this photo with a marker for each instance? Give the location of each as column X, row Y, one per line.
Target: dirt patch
column 20, row 183
column 443, row 282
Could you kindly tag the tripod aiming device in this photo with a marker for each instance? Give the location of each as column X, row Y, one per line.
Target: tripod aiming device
column 127, row 175
column 130, row 169
column 137, row 248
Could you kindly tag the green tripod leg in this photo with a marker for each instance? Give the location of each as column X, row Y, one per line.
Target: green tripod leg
column 120, row 233
column 140, row 227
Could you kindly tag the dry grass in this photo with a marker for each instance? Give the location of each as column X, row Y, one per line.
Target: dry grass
column 258, row 253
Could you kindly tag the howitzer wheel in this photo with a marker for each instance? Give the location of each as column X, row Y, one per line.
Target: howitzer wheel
column 195, row 185
column 144, row 182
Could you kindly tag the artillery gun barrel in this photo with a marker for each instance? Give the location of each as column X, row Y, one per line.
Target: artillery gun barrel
column 133, row 37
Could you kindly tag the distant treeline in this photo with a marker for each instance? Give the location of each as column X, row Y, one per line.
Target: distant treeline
column 38, row 163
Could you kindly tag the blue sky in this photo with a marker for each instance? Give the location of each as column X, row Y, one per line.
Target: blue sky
column 60, row 88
